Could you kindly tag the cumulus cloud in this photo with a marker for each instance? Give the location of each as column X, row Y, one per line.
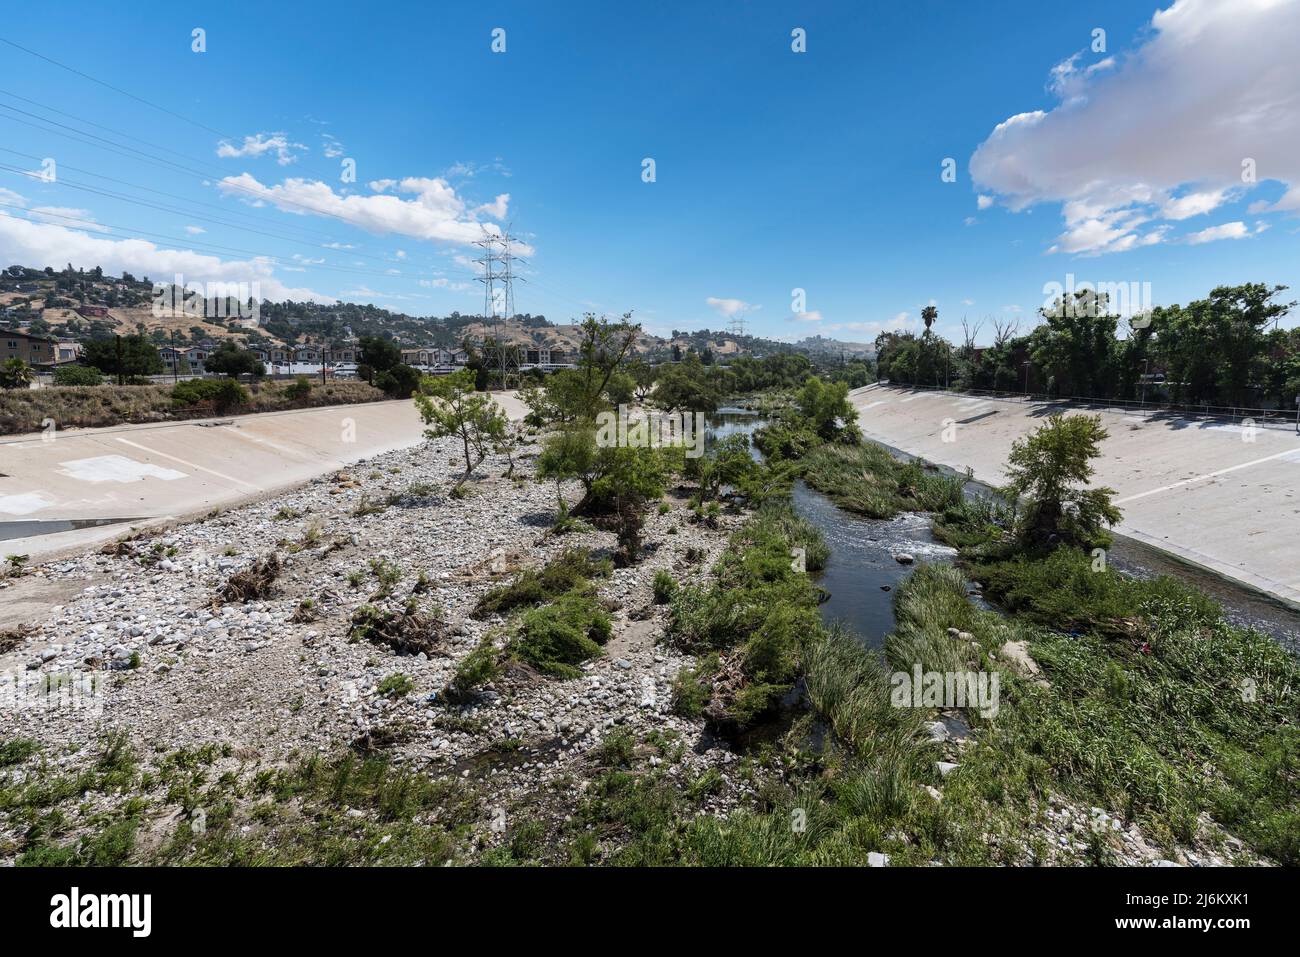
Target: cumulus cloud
column 1237, row 230
column 1159, row 135
column 259, row 144
column 497, row 209
column 435, row 211
column 730, row 308
column 811, row 315
column 45, row 244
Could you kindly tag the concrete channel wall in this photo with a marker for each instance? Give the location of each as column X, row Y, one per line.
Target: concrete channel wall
column 1221, row 496
column 167, row 471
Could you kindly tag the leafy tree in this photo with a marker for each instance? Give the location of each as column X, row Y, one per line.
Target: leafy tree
column 378, row 353
column 826, row 406
column 1075, row 348
column 686, row 386
column 450, row 406
column 398, row 381
column 230, row 360
column 123, row 356
column 1050, row 468
column 643, row 378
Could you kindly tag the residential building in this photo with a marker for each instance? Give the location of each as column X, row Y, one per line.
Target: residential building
column 34, row 350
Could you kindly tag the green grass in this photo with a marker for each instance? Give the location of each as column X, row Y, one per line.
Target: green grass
column 868, row 480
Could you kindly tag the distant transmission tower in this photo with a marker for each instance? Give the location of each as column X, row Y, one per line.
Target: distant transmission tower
column 499, row 304
column 737, row 325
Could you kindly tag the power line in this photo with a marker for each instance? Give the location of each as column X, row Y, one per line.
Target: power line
column 115, row 89
column 117, row 147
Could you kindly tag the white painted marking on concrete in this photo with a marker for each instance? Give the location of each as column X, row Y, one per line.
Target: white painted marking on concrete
column 872, row 405
column 913, row 398
column 116, row 468
column 197, row 468
column 24, row 503
column 1294, row 454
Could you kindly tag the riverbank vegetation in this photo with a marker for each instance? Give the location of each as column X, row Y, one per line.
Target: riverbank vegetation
column 1219, row 351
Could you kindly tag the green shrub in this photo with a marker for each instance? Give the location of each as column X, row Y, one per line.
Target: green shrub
column 664, row 586
column 224, row 394
column 77, row 375
column 396, row 685
column 298, row 390
column 476, row 669
column 555, row 638
column 568, row 570
column 690, row 693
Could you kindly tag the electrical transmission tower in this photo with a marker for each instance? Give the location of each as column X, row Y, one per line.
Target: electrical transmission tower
column 498, row 281
column 737, row 325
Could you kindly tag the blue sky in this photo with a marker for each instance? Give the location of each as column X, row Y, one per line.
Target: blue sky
column 775, row 170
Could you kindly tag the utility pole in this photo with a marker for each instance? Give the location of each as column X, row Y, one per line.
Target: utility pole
column 176, row 362
column 499, row 302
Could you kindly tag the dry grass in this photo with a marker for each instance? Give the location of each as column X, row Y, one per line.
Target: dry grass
column 92, row 406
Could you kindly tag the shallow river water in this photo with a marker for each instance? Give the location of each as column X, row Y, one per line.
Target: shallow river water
column 862, row 571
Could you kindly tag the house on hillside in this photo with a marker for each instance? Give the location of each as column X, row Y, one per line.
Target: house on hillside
column 33, row 350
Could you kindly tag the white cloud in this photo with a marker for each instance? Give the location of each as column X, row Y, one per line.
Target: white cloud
column 262, row 143
column 495, row 209
column 9, row 196
column 1161, row 134
column 1193, row 204
column 195, row 230
column 443, row 283
column 1237, row 230
column 983, row 202
column 330, row 146
column 436, row 212
column 43, row 244
column 811, row 315
column 66, row 216
column 730, row 308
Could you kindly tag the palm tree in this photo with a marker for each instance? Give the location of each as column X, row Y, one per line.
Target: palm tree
column 16, row 374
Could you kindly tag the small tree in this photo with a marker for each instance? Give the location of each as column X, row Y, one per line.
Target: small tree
column 230, row 360
column 1050, row 469
column 450, row 407
column 123, row 356
column 826, row 406
column 15, row 374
